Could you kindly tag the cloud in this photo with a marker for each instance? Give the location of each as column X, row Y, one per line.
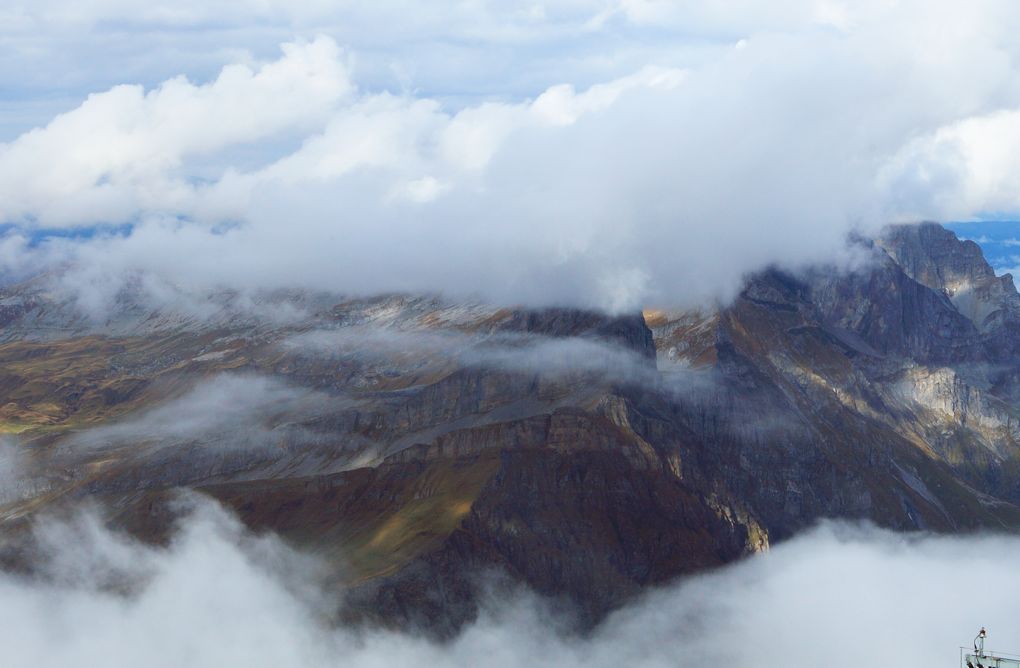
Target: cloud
column 516, row 353
column 217, row 595
column 226, row 410
column 659, row 180
column 225, row 413
column 964, row 167
column 214, row 597
column 228, row 426
column 119, row 151
column 55, row 50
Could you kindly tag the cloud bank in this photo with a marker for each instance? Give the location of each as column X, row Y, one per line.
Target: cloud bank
column 713, row 141
column 845, row 595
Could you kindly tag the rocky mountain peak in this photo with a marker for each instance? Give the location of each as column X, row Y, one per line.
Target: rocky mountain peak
column 934, row 256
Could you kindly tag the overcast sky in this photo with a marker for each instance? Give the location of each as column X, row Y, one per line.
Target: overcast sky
column 607, row 153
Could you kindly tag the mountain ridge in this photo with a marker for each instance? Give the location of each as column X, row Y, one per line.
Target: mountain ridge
column 411, row 443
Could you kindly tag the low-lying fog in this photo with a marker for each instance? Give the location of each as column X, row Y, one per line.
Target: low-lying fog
column 839, row 595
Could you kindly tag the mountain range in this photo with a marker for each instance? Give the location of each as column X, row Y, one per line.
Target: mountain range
column 426, row 451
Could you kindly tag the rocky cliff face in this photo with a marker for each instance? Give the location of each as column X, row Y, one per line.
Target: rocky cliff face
column 935, row 258
column 418, row 446
column 878, row 376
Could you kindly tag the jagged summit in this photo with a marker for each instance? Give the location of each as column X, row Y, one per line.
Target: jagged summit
column 933, row 256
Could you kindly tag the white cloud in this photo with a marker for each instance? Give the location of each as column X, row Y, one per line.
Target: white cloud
column 513, row 352
column 218, row 596
column 964, row 167
column 119, row 152
column 208, row 600
column 664, row 183
column 222, row 413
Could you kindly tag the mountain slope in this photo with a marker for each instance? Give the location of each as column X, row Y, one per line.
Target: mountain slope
column 416, row 445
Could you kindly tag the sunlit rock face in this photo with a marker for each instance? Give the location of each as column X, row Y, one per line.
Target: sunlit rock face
column 934, row 257
column 876, row 372
column 418, row 446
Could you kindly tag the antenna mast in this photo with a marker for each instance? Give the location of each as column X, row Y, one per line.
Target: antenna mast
column 980, row 659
